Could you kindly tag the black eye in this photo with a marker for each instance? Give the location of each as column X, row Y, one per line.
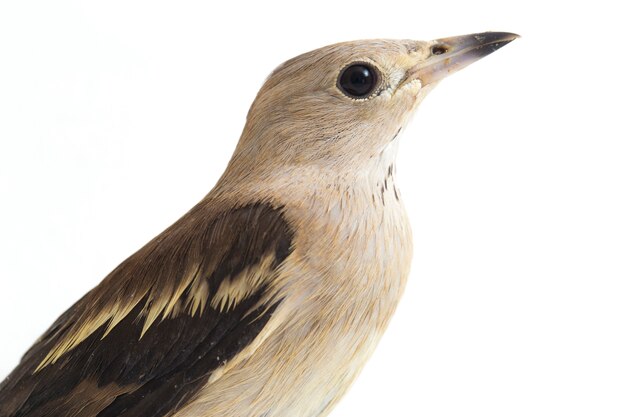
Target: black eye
column 358, row 80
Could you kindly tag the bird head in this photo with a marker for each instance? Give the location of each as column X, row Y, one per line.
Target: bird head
column 342, row 105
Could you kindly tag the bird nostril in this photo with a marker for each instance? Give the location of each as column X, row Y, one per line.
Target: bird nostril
column 439, row 50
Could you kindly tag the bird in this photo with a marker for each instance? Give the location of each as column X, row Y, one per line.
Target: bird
column 267, row 297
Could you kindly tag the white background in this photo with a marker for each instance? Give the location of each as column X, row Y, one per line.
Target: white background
column 117, row 116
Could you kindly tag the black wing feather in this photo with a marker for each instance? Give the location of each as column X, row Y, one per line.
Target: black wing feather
column 126, row 374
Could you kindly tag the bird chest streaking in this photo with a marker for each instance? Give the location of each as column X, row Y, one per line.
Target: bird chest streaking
column 267, row 297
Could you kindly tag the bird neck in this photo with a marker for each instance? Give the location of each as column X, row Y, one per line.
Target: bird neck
column 265, row 179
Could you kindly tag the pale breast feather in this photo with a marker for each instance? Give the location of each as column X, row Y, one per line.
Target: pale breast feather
column 145, row 340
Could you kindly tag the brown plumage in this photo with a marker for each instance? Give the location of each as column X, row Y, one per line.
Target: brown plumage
column 267, row 297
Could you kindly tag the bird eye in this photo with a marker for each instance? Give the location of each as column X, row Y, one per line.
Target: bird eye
column 358, row 80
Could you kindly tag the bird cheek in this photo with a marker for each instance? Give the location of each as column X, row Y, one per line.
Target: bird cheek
column 409, row 97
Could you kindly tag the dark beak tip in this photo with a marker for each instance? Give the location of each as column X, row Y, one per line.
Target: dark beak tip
column 488, row 42
column 492, row 47
column 486, row 38
column 485, row 41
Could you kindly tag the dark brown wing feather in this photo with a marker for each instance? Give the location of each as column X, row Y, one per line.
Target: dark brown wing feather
column 115, row 370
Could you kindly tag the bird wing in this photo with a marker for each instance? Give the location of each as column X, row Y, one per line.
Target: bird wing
column 146, row 339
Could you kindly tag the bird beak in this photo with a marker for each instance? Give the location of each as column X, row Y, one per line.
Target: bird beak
column 448, row 55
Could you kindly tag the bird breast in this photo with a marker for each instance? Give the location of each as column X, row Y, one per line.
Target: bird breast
column 340, row 286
